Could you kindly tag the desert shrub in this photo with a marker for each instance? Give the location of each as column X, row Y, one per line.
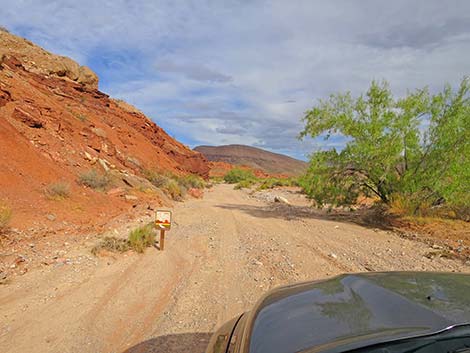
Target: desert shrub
column 192, row 181
column 245, row 184
column 271, row 183
column 60, row 190
column 111, row 244
column 157, row 179
column 237, row 174
column 411, row 205
column 412, row 153
column 142, row 237
column 175, row 186
column 5, row 216
column 401, row 204
column 174, row 189
column 94, row 180
column 217, row 179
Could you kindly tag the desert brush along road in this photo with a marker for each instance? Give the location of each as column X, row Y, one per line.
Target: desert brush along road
column 223, row 252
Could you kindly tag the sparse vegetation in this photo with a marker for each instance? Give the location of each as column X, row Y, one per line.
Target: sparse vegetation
column 412, row 153
column 82, row 117
column 245, row 184
column 174, row 189
column 79, row 116
column 94, row 180
column 217, row 179
column 271, row 183
column 192, row 181
column 175, row 186
column 157, row 179
column 237, row 175
column 5, row 216
column 58, row 191
column 138, row 240
column 112, row 244
column 142, row 237
column 244, row 178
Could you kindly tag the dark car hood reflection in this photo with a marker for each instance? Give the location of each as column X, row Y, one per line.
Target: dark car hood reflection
column 359, row 308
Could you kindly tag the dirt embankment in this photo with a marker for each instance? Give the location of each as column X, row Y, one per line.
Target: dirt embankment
column 223, row 252
column 55, row 125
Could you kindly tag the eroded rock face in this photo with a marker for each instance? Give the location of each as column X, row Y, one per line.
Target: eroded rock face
column 55, row 125
column 37, row 60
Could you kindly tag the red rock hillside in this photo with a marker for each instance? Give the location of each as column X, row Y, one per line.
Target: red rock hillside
column 55, row 125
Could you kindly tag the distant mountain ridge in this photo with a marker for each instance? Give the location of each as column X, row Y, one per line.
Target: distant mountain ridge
column 256, row 158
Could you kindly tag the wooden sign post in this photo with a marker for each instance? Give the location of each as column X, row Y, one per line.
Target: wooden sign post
column 163, row 222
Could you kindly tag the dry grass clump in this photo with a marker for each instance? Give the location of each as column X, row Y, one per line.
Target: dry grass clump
column 94, row 180
column 111, row 244
column 58, row 191
column 174, row 189
column 175, row 186
column 142, row 237
column 138, row 240
column 157, row 179
column 5, row 216
column 405, row 205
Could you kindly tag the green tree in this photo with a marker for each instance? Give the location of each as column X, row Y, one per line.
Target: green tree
column 417, row 146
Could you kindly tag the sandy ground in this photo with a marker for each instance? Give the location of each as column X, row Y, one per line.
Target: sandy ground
column 223, row 252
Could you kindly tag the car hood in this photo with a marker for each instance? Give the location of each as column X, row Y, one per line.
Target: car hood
column 357, row 310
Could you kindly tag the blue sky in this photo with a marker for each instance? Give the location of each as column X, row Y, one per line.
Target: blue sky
column 220, row 72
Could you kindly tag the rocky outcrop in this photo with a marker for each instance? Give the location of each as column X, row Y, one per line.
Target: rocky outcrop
column 37, row 60
column 56, row 125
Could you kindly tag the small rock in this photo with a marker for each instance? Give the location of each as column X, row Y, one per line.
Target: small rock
column 103, row 164
column 87, row 156
column 115, row 191
column 51, row 217
column 130, row 197
column 332, row 255
column 19, row 260
column 281, row 200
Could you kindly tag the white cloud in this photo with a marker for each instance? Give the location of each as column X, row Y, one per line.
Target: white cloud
column 223, row 71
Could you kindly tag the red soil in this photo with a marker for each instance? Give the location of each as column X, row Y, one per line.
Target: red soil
column 52, row 129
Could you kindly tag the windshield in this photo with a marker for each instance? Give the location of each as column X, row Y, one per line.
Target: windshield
column 452, row 340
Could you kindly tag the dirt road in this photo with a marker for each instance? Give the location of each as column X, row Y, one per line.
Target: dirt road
column 222, row 254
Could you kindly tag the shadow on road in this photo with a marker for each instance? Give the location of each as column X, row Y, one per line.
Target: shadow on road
column 175, row 343
column 368, row 217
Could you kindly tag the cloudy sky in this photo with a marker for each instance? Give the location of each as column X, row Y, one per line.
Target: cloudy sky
column 223, row 71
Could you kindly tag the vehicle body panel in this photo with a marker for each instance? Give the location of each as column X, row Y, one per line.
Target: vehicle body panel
column 355, row 310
